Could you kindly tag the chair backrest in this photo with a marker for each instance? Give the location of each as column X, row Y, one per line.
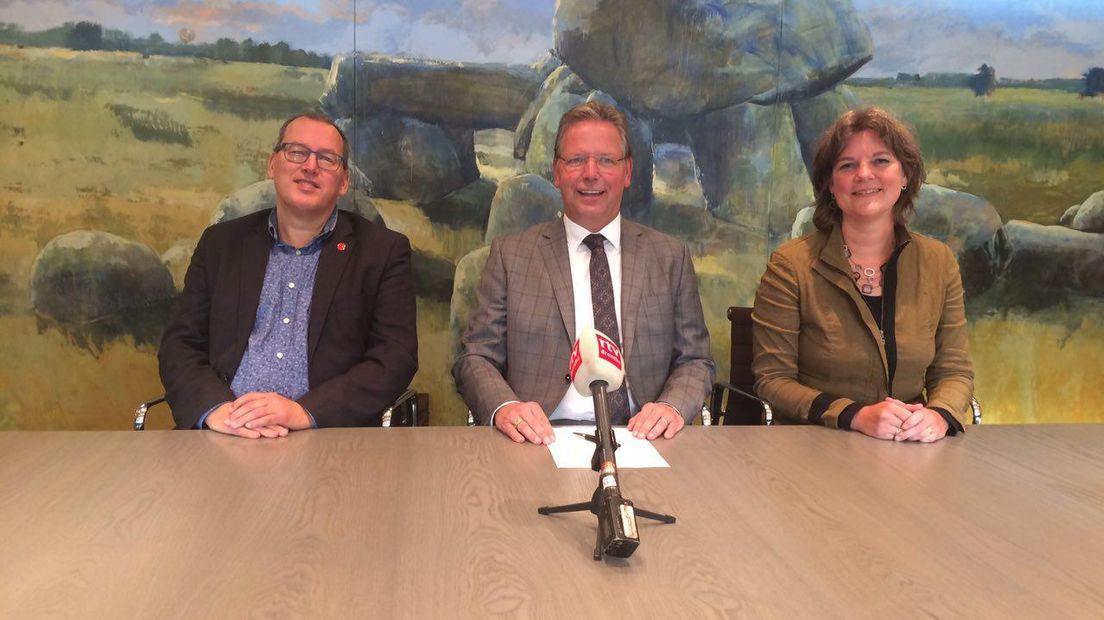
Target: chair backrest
column 741, row 410
column 739, row 357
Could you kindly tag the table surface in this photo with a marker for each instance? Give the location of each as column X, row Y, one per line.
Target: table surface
column 442, row 522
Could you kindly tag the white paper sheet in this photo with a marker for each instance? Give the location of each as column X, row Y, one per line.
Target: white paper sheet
column 572, row 451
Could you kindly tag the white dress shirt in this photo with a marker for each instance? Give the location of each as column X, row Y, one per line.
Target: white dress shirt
column 575, row 406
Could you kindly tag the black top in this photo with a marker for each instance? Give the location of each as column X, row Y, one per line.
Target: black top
column 874, row 302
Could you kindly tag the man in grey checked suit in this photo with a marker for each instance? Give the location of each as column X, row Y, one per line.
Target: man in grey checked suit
column 535, row 295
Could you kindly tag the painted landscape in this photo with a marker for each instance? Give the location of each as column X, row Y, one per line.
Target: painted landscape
column 145, row 146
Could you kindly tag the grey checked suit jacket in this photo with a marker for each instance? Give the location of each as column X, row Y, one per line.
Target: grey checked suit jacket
column 520, row 335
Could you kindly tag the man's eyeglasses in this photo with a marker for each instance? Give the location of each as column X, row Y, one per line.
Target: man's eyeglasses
column 577, row 162
column 297, row 153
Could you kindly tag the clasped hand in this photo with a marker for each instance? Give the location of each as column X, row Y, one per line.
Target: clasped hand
column 900, row 421
column 258, row 414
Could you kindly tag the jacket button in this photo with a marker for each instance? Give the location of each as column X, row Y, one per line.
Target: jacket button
column 567, row 378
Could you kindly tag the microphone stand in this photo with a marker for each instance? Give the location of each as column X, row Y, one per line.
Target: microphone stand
column 617, row 533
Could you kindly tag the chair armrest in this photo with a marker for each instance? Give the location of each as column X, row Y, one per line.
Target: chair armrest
column 140, row 412
column 408, row 400
column 723, row 388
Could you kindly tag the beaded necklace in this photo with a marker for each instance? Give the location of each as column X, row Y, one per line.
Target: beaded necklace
column 858, row 272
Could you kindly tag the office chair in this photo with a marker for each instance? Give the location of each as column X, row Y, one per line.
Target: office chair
column 734, row 401
column 409, row 409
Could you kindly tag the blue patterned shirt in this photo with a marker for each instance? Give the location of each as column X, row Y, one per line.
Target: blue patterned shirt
column 275, row 359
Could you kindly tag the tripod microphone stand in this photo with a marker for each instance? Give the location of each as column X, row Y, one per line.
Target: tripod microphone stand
column 617, row 534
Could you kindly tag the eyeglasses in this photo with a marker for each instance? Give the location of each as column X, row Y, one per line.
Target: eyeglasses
column 577, row 162
column 297, row 153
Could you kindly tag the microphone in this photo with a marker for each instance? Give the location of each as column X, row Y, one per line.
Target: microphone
column 595, row 357
column 597, row 366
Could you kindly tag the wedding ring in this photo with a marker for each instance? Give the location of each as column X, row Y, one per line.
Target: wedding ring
column 517, row 422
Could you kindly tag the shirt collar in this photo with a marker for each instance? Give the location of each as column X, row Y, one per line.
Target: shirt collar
column 576, row 233
column 327, row 228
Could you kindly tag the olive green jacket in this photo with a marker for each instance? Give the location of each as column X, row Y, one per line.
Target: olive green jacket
column 818, row 349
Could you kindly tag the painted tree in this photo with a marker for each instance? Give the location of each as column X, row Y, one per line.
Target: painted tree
column 1094, row 82
column 85, row 36
column 227, row 49
column 984, row 82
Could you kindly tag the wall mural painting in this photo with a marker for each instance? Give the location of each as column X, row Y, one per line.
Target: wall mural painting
column 130, row 126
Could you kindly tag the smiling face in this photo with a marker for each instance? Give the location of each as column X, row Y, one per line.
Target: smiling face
column 867, row 178
column 591, row 194
column 305, row 188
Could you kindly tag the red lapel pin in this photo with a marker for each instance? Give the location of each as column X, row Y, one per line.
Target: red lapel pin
column 341, row 247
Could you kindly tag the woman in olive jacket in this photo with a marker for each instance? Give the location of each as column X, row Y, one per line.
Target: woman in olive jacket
column 860, row 325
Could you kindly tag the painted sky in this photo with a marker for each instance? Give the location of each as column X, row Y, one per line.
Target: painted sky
column 1021, row 38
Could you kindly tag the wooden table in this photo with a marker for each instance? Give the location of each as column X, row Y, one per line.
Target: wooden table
column 1007, row 522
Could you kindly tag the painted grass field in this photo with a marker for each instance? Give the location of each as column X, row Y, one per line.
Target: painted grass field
column 1031, row 153
column 145, row 147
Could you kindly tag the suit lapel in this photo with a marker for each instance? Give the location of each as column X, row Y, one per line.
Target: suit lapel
column 331, row 264
column 553, row 254
column 633, row 273
column 253, row 261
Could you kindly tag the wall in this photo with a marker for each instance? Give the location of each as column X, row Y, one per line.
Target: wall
column 725, row 102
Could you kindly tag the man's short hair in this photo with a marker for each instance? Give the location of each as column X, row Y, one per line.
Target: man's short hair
column 321, row 118
column 596, row 111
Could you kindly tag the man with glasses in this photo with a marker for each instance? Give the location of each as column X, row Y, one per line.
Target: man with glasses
column 294, row 317
column 541, row 287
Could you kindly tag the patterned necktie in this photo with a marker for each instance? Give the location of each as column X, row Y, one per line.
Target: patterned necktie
column 605, row 318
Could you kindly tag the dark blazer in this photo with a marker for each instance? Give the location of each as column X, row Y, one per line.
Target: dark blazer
column 520, row 334
column 818, row 349
column 362, row 343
